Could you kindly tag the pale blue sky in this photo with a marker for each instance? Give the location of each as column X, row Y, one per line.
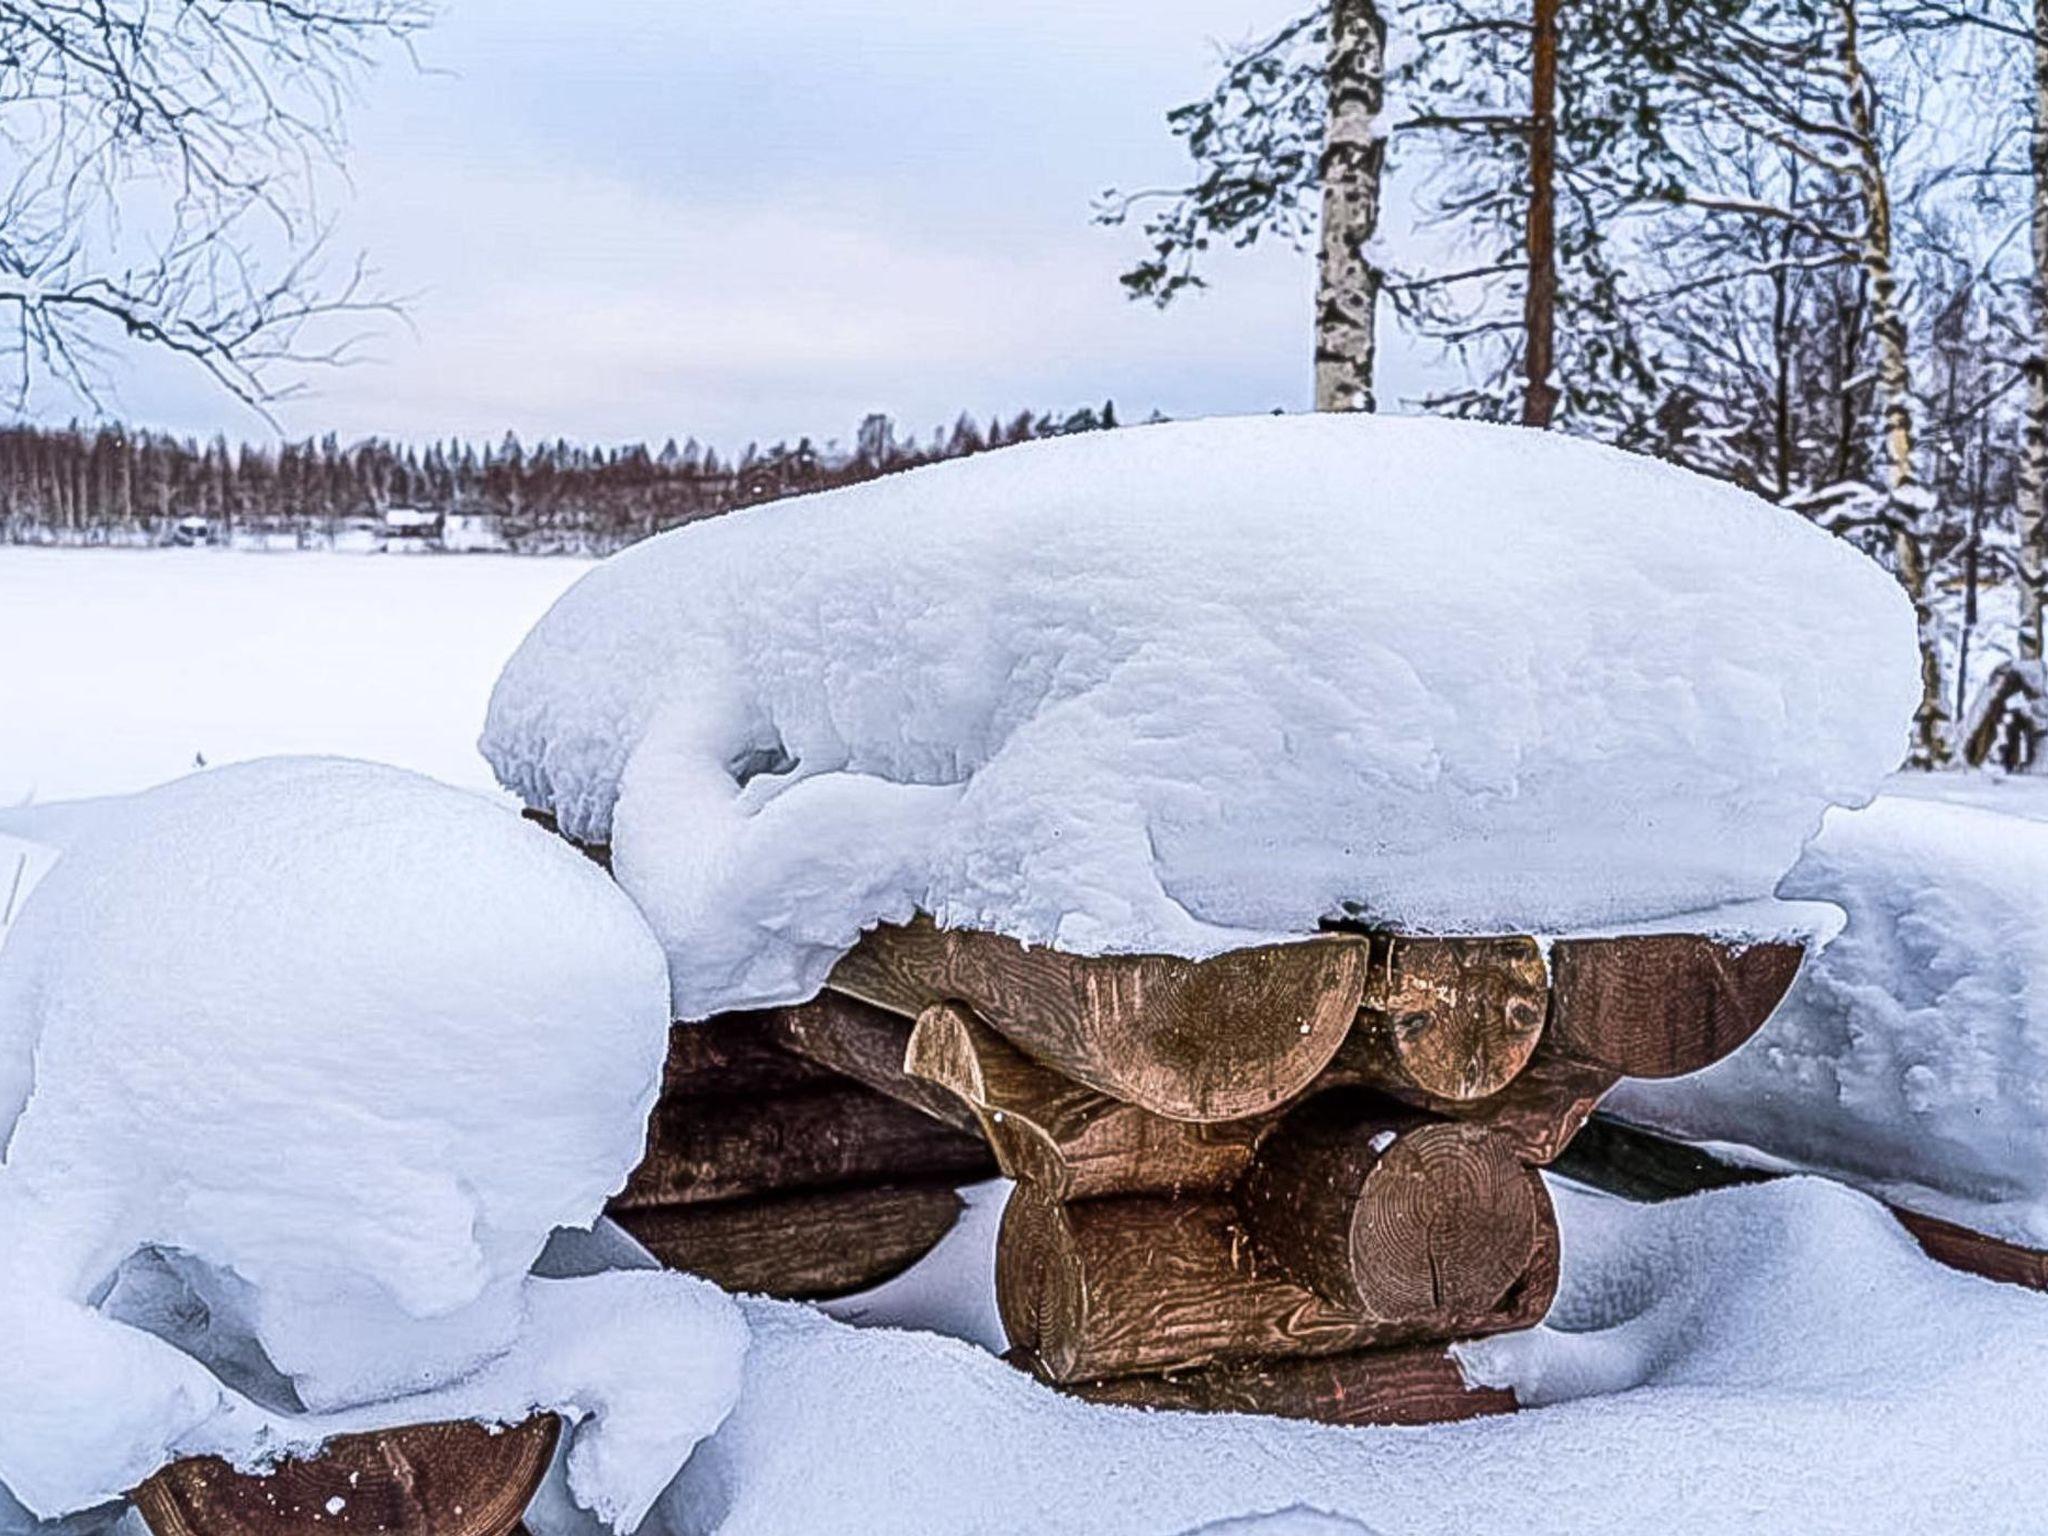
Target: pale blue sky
column 631, row 218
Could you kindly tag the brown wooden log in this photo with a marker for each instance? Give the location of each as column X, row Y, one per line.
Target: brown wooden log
column 735, row 1055
column 456, row 1479
column 1392, row 1215
column 869, row 1045
column 1070, row 1141
column 1419, row 1384
column 1107, row 1288
column 1538, row 1113
column 1453, row 1018
column 1216, row 1039
column 1974, row 1252
column 1661, row 1005
column 1642, row 1165
column 803, row 1247
column 816, row 1138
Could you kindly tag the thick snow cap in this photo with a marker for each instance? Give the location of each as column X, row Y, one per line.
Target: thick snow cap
column 318, row 1054
column 1186, row 687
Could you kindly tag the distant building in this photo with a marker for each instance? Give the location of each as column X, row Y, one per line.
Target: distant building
column 409, row 528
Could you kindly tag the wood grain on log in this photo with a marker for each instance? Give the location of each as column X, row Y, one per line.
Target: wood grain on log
column 1107, row 1288
column 1215, row 1039
column 1453, row 1018
column 1537, row 1114
column 803, row 1247
column 1661, row 1005
column 1419, row 1384
column 1973, row 1252
column 815, row 1138
column 1122, row 1287
column 423, row 1480
column 869, row 1045
column 1390, row 1214
column 1069, row 1140
column 735, row 1055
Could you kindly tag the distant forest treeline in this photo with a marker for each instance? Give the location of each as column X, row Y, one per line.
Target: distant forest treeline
column 114, row 485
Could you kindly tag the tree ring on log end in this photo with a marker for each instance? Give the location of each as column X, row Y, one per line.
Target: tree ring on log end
column 1041, row 1290
column 1444, row 1224
column 1462, row 1016
column 1665, row 1004
column 453, row 1479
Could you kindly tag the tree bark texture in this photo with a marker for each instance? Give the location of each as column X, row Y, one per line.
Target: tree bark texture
column 1539, row 294
column 1907, row 497
column 1353, row 163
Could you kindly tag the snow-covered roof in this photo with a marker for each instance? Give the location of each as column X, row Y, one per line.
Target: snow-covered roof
column 409, row 519
column 1191, row 686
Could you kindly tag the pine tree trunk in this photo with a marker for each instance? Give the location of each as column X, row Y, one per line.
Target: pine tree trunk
column 2033, row 529
column 1907, row 497
column 1354, row 154
column 1539, row 297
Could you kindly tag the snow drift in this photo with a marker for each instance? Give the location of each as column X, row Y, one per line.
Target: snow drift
column 1911, row 1057
column 1775, row 1358
column 300, row 1064
column 1192, row 686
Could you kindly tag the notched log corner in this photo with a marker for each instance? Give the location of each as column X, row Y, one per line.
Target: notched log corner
column 1219, row 1039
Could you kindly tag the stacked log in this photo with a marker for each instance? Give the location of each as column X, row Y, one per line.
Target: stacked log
column 771, row 1170
column 453, row 1479
column 1284, row 1179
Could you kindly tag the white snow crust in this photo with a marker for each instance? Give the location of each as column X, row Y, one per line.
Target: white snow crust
column 301, row 1062
column 1911, row 1057
column 1772, row 1359
column 1191, row 686
column 129, row 667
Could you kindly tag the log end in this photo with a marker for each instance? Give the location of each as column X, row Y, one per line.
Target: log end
column 1460, row 1017
column 1444, row 1226
column 1041, row 1289
column 1662, row 1005
column 454, row 1479
column 1247, row 1031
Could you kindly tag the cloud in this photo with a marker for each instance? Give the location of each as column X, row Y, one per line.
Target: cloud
column 633, row 218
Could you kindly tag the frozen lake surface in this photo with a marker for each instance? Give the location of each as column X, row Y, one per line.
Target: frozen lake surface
column 120, row 669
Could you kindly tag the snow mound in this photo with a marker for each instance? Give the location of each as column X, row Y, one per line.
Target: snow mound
column 1911, row 1057
column 1778, row 1358
column 1192, row 686
column 301, row 1062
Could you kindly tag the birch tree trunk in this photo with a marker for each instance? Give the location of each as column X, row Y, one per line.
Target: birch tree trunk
column 1354, row 156
column 1907, row 497
column 1539, row 294
column 2033, row 529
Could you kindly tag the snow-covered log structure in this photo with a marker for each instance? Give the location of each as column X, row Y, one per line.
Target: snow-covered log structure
column 1142, row 1248
column 1274, row 836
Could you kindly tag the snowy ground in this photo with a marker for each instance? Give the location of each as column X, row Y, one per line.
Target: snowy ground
column 1773, row 1359
column 121, row 668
